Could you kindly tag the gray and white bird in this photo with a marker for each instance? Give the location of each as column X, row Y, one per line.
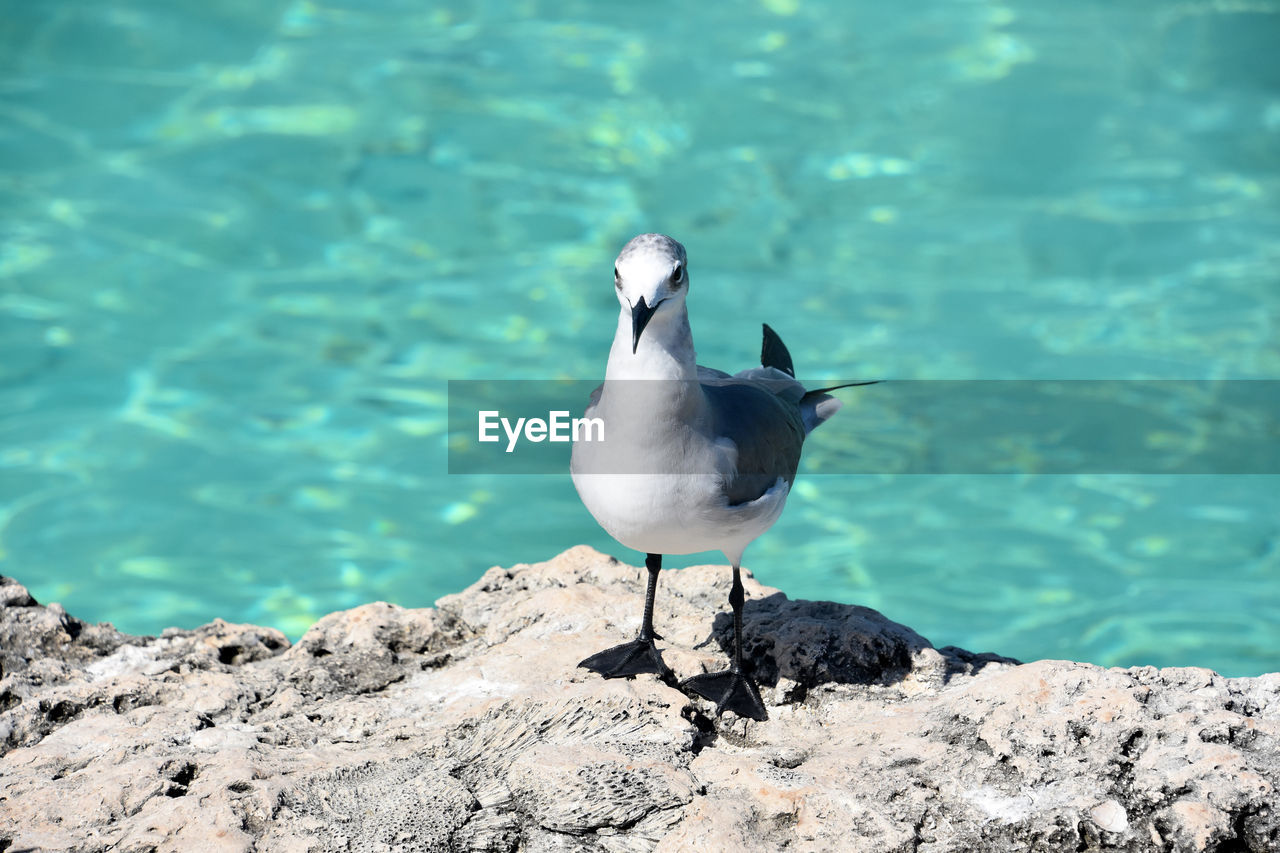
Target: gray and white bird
column 693, row 459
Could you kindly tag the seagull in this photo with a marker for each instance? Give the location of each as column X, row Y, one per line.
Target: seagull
column 693, row 459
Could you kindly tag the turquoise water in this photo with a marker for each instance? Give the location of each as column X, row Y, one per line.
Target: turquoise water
column 244, row 245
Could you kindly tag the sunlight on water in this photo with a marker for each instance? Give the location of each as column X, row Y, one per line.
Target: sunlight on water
column 244, row 245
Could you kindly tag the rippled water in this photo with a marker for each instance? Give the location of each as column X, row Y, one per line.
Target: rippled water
column 244, row 245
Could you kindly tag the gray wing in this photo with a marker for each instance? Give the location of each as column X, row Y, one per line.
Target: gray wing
column 710, row 373
column 768, row 431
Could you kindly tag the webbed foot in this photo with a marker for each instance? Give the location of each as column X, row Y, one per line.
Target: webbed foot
column 633, row 658
column 731, row 691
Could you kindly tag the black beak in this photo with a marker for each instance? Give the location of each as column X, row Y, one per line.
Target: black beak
column 640, row 316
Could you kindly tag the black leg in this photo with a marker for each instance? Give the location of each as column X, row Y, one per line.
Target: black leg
column 640, row 655
column 652, row 562
column 737, row 597
column 731, row 689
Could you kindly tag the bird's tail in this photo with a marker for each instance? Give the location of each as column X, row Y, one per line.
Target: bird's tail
column 816, row 405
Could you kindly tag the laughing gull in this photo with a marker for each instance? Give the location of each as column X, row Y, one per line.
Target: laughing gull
column 693, row 459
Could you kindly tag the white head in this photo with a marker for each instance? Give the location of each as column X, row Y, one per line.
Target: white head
column 652, row 278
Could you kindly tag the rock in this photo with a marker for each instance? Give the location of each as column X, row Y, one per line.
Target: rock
column 469, row 727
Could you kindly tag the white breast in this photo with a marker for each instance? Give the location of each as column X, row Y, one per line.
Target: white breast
column 677, row 513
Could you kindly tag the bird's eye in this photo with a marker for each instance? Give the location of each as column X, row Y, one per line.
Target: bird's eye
column 617, row 279
column 677, row 274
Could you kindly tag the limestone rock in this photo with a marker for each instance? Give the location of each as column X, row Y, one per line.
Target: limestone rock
column 469, row 727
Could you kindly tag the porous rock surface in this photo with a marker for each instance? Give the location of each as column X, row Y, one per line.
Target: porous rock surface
column 469, row 727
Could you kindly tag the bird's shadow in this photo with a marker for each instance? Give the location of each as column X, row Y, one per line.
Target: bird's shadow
column 810, row 643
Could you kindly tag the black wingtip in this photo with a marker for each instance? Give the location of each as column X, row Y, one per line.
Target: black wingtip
column 773, row 353
column 818, row 392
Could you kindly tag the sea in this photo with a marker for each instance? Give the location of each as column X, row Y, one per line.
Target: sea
column 248, row 247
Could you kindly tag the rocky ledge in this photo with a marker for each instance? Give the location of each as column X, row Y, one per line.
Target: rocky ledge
column 468, row 727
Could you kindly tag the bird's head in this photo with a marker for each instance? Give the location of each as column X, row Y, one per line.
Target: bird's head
column 652, row 277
